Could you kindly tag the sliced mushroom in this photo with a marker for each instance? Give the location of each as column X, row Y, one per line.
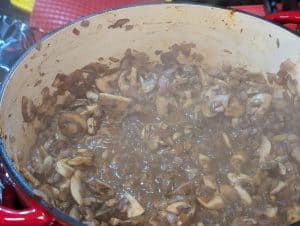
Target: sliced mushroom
column 236, row 181
column 157, row 221
column 281, row 185
column 214, row 101
column 47, row 165
column 292, row 85
column 111, row 202
column 234, row 108
column 116, row 105
column 127, row 81
column 282, row 168
column 153, row 142
column 75, row 187
column 135, row 209
column 259, row 104
column 228, row 194
column 64, row 189
column 264, row 150
column 29, row 177
column 28, row 109
column 100, row 187
column 237, row 161
column 215, row 203
column 177, row 207
column 148, row 81
column 92, row 96
column 104, row 83
column 72, row 124
column 293, row 214
column 226, row 140
column 91, row 126
column 270, row 211
column 186, row 217
column 64, row 169
column 130, row 222
column 210, row 182
column 183, row 189
column 85, row 159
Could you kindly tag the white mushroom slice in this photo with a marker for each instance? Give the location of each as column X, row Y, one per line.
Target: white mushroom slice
column 210, row 182
column 91, row 126
column 75, row 187
column 215, row 203
column 244, row 195
column 177, row 207
column 92, row 96
column 235, row 181
column 64, row 169
column 214, row 100
column 226, row 140
column 47, row 164
column 135, row 208
column 282, row 168
column 103, row 84
column 115, row 104
column 148, row 81
column 293, row 214
column 281, row 185
column 259, row 104
column 264, row 149
column 270, row 211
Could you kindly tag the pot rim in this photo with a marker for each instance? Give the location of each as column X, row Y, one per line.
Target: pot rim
column 16, row 176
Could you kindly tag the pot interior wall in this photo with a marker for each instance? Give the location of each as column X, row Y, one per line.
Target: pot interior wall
column 222, row 36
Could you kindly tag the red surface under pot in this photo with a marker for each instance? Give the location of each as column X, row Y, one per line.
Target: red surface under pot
column 20, row 209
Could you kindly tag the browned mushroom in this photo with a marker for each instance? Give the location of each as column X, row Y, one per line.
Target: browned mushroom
column 28, row 109
column 116, row 105
column 72, row 124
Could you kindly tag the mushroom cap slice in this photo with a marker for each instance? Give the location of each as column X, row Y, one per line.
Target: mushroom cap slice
column 135, row 209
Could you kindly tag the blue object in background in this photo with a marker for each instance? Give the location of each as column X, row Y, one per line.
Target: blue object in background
column 15, row 38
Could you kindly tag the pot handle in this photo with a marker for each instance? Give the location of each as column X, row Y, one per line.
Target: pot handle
column 285, row 17
column 33, row 215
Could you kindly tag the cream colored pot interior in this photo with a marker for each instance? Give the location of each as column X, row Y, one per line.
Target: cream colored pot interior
column 221, row 36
